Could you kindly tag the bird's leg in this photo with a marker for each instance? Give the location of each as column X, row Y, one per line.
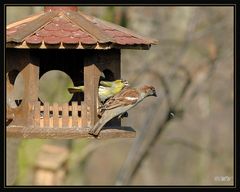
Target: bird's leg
column 97, row 128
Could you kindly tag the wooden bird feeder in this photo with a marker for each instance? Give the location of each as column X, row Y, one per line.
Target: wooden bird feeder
column 82, row 46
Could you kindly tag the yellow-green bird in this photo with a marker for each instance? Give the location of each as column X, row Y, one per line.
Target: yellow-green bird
column 106, row 89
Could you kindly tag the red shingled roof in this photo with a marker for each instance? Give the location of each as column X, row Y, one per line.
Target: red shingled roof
column 70, row 28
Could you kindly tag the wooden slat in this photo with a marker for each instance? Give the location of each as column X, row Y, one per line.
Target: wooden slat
column 28, row 19
column 79, row 122
column 46, row 114
column 55, row 115
column 74, row 114
column 31, row 27
column 65, row 115
column 60, row 116
column 89, row 27
column 84, row 114
column 37, row 114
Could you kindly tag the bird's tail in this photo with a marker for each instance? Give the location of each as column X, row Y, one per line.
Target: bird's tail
column 107, row 116
column 76, row 89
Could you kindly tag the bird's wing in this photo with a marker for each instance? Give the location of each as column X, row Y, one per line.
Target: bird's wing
column 128, row 96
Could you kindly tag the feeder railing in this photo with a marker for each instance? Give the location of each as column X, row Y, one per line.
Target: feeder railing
column 61, row 121
column 56, row 115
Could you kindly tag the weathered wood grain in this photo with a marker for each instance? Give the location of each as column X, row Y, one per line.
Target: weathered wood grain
column 31, row 27
column 91, row 80
column 68, row 133
column 89, row 27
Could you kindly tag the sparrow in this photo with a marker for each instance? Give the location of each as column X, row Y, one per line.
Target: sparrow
column 106, row 89
column 120, row 103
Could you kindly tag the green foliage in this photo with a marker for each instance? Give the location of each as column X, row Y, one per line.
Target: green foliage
column 124, row 20
column 112, row 16
column 109, row 14
column 27, row 157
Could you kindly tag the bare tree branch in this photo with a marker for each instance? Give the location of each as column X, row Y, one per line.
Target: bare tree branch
column 143, row 145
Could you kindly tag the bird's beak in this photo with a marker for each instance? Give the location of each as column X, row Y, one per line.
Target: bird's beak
column 155, row 94
column 102, row 75
column 125, row 82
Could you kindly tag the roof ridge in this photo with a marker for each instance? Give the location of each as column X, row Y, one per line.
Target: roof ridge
column 86, row 24
column 80, row 27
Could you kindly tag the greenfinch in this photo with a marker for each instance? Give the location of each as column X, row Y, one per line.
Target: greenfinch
column 106, row 89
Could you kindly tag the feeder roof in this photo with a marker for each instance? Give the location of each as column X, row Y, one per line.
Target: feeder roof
column 67, row 28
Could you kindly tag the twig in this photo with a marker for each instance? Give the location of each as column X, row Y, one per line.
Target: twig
column 139, row 150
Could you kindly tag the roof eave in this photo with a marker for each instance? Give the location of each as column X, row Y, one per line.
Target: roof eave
column 98, row 46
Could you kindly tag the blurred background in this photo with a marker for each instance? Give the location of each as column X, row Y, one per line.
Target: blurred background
column 184, row 136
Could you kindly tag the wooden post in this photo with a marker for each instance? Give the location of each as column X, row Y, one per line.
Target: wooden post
column 31, row 82
column 28, row 65
column 91, row 80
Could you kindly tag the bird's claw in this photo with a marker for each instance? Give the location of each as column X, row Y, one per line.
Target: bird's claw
column 93, row 132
